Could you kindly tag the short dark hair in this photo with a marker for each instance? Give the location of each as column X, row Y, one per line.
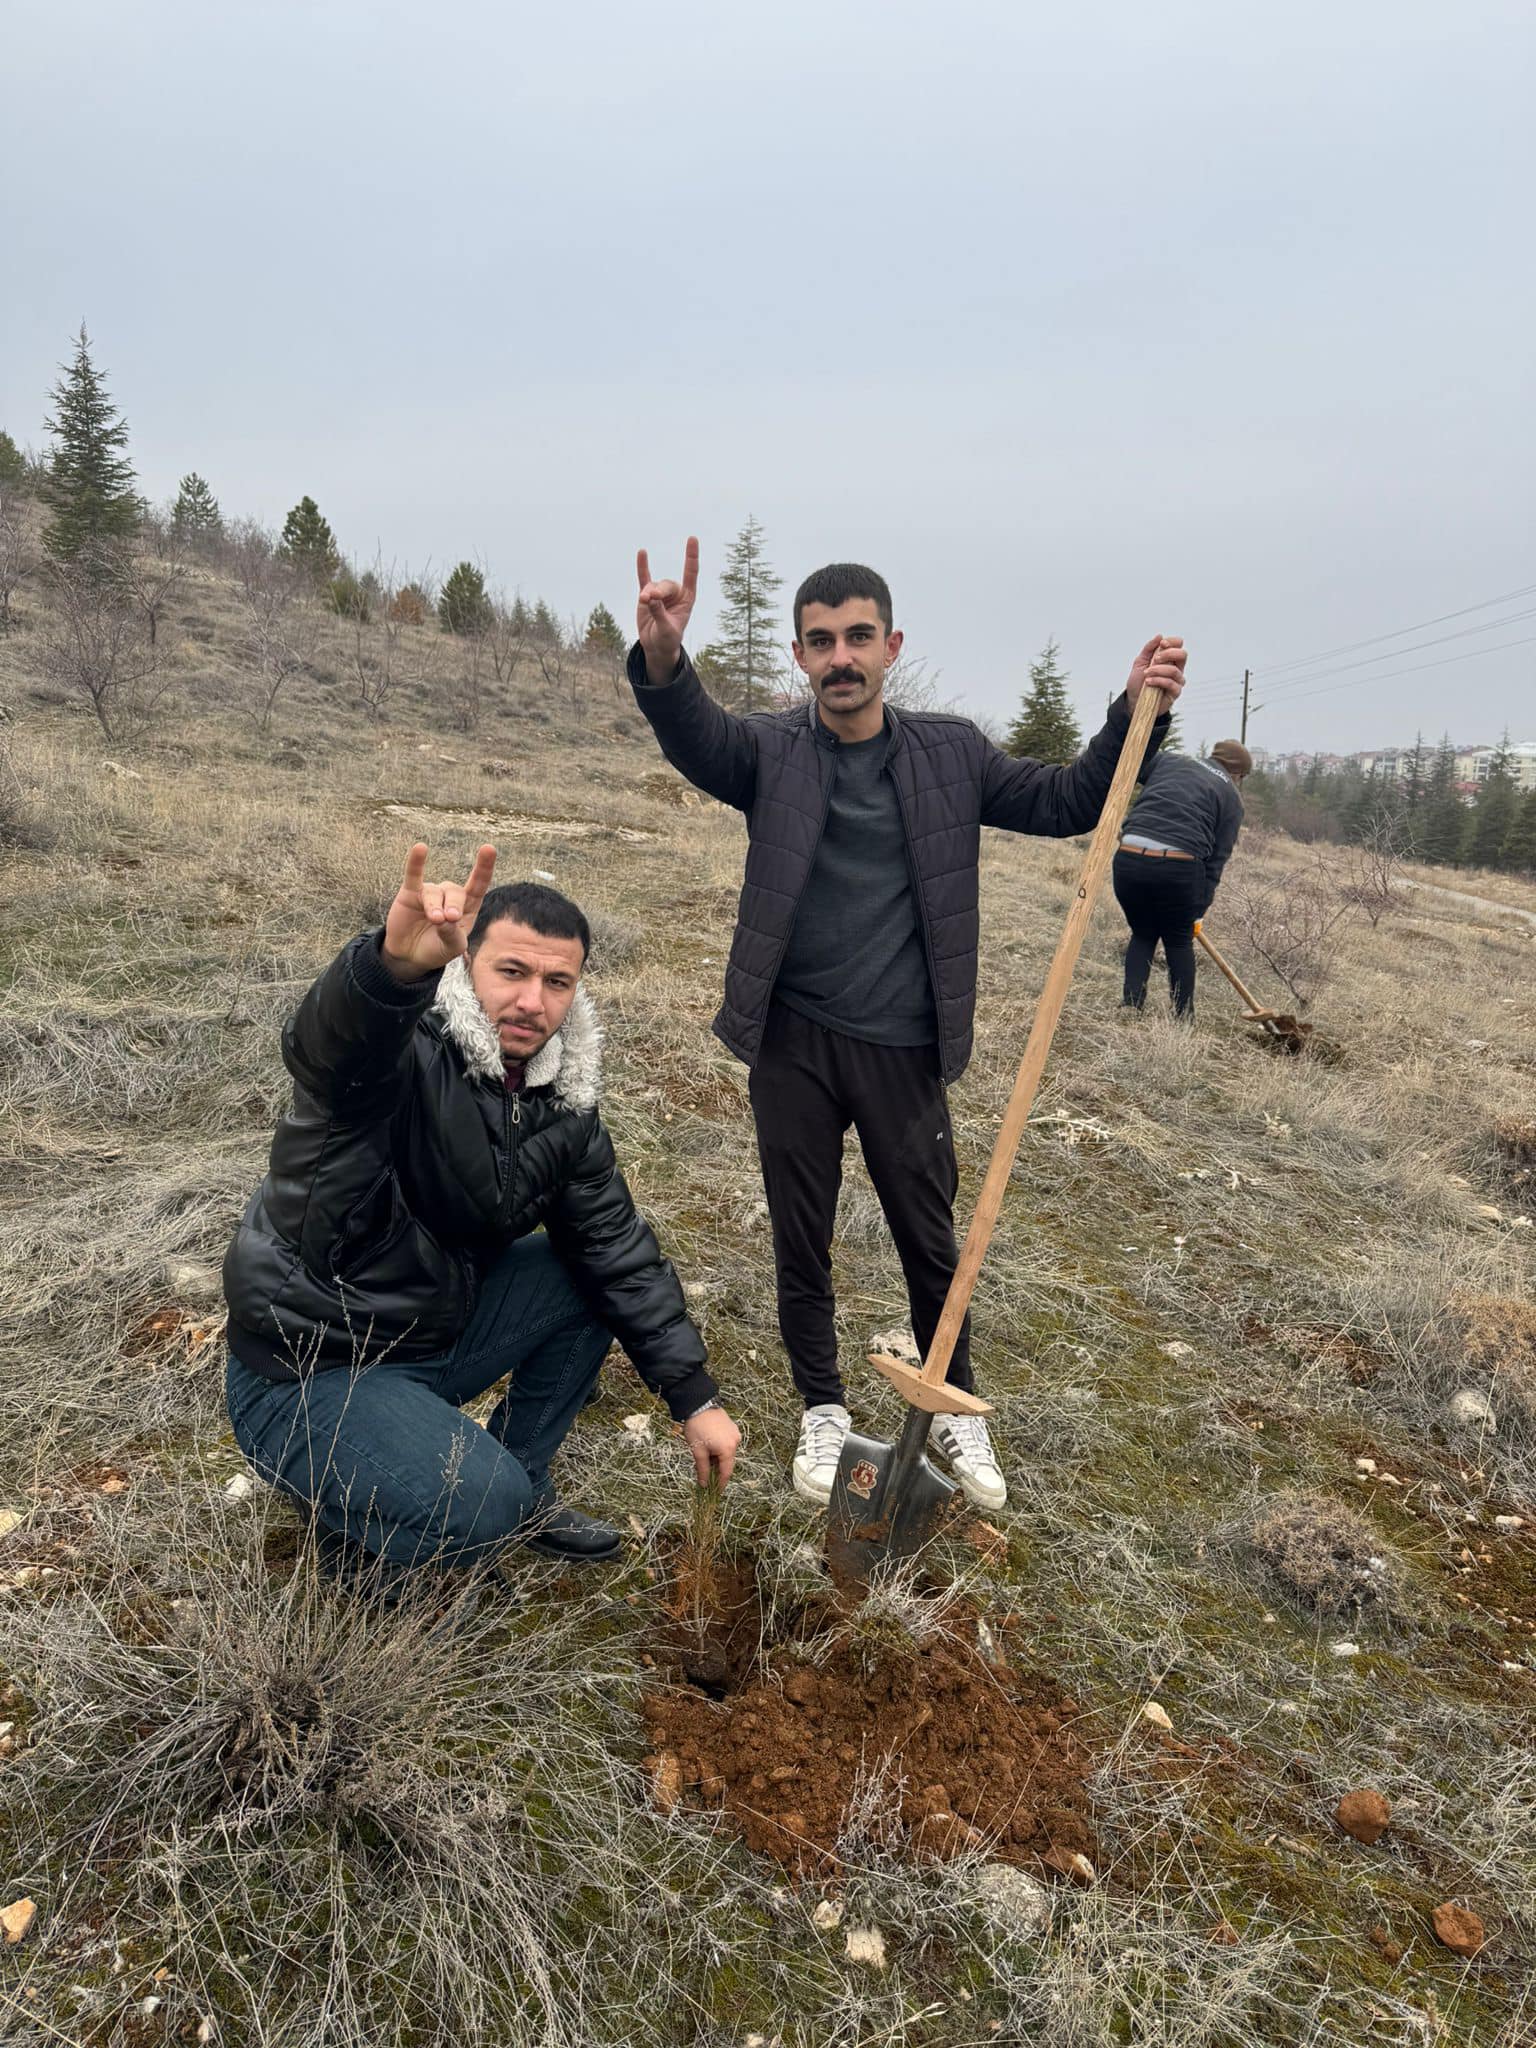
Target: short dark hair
column 544, row 911
column 839, row 581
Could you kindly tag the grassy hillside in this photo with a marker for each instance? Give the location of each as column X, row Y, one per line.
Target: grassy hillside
column 1229, row 1302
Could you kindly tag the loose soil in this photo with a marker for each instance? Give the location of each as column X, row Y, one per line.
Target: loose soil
column 778, row 1726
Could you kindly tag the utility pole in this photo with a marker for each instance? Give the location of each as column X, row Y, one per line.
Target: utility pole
column 1243, row 735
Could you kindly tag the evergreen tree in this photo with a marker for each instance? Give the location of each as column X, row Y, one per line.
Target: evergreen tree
column 348, row 596
column 1520, row 845
column 1044, row 728
column 464, row 606
column 409, row 606
column 749, row 646
column 196, row 515
column 1443, row 816
column 13, row 464
column 90, row 481
column 603, row 632
column 308, row 543
column 520, row 619
column 1173, row 734
column 545, row 627
column 1494, row 814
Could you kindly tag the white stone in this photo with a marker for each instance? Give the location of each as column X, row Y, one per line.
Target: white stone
column 1344, row 1649
column 240, row 1487
column 1365, row 1464
column 1470, row 1409
column 866, row 1945
column 1177, row 1350
column 639, row 1426
column 1012, row 1899
column 1509, row 1521
column 193, row 1282
column 10, row 1518
column 828, row 1915
column 1157, row 1715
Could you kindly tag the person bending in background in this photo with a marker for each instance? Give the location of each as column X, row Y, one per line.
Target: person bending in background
column 1175, row 845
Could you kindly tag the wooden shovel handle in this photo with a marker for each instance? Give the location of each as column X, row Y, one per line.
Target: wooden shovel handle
column 1251, row 1000
column 1041, row 1031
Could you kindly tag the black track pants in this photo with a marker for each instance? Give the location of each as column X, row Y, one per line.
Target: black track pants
column 808, row 1086
column 1161, row 900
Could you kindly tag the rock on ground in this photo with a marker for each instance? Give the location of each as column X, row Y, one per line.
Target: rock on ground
column 866, row 1945
column 17, row 1921
column 1013, row 1900
column 1364, row 1814
column 1468, row 1409
column 1458, row 1929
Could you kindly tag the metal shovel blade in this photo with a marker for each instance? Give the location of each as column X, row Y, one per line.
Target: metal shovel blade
column 886, row 1499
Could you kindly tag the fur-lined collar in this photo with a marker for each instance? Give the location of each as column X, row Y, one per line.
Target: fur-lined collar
column 571, row 1063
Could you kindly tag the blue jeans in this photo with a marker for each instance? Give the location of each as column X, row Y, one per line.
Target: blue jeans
column 383, row 1457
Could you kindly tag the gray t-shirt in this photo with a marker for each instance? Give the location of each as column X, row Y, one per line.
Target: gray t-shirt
column 855, row 961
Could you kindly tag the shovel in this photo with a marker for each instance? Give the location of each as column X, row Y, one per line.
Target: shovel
column 886, row 1497
column 1292, row 1032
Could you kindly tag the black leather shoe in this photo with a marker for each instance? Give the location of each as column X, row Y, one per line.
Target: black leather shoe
column 575, row 1538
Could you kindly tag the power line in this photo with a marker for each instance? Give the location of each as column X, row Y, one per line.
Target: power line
column 1286, row 692
column 1375, row 640
column 1446, row 661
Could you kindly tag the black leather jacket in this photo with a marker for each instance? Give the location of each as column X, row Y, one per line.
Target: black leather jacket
column 405, row 1167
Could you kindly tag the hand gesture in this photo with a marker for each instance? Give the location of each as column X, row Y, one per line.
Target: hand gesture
column 1160, row 663
column 664, row 612
column 713, row 1438
column 429, row 923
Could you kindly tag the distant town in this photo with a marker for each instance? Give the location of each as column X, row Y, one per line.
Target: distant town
column 1397, row 764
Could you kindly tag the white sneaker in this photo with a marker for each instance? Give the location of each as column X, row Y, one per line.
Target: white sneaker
column 964, row 1441
column 821, row 1445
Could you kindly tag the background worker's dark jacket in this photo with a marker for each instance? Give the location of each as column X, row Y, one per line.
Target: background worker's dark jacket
column 778, row 768
column 405, row 1167
column 1191, row 805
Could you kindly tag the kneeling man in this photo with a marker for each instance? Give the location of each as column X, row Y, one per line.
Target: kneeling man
column 443, row 1210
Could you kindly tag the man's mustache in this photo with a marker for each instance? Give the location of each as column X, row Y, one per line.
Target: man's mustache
column 841, row 675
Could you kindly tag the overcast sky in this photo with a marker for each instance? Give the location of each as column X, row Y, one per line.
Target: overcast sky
column 1127, row 319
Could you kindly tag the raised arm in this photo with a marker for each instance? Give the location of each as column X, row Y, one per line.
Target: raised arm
column 348, row 1042
column 703, row 741
column 1056, row 802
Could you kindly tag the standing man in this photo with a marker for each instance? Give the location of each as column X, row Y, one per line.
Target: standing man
column 851, row 986
column 1177, row 840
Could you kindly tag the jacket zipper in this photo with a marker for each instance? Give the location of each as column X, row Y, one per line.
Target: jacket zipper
column 922, row 918
column 511, row 1117
column 826, row 807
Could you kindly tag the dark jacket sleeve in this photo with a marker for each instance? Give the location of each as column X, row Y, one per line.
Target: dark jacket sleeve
column 611, row 1252
column 1229, row 823
column 708, row 744
column 348, row 1043
column 1028, row 796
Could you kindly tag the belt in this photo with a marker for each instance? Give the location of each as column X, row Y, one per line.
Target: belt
column 1156, row 852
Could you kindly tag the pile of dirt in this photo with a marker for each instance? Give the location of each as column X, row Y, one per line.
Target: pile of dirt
column 940, row 1749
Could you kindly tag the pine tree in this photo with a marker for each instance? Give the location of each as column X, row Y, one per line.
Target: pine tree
column 520, row 619
column 348, row 596
column 1173, row 734
column 1494, row 814
column 1520, row 845
column 90, row 481
column 603, row 632
column 1044, row 728
column 13, row 464
column 1443, row 817
column 196, row 515
column 545, row 628
column 464, row 607
column 308, row 543
column 748, row 644
column 409, row 606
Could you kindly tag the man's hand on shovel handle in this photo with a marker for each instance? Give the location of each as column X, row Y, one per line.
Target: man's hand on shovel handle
column 712, row 1437
column 1161, row 663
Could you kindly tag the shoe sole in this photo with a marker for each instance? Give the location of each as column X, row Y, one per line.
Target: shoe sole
column 554, row 1550
column 809, row 1492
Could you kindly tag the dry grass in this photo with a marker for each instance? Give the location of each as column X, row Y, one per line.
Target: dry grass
column 1221, row 1279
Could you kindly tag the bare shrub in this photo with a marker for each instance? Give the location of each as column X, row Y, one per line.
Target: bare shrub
column 1325, row 1556
column 1373, row 866
column 280, row 625
column 17, row 560
column 101, row 650
column 1294, row 922
column 387, row 654
column 154, row 572
column 23, row 827
column 465, row 689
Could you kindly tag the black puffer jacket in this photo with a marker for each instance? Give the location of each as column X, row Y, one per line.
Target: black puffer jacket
column 777, row 767
column 403, row 1170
